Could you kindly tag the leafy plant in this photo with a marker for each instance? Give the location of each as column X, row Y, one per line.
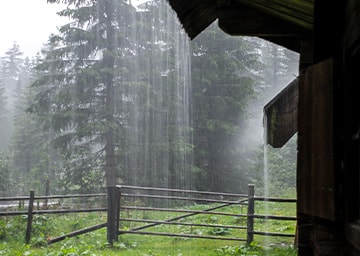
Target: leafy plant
column 255, row 250
column 2, row 230
column 219, row 231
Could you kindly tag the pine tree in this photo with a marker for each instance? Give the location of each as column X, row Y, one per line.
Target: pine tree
column 4, row 165
column 111, row 87
column 3, row 116
column 33, row 161
column 223, row 83
column 5, row 181
column 10, row 72
column 78, row 84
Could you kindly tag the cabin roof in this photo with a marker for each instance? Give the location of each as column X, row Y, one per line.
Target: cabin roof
column 281, row 21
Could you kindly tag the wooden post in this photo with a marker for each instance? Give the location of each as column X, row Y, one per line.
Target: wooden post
column 30, row 217
column 118, row 212
column 250, row 213
column 113, row 214
column 47, row 192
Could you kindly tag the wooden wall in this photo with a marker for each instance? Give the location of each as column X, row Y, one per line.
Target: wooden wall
column 316, row 177
column 329, row 130
column 350, row 128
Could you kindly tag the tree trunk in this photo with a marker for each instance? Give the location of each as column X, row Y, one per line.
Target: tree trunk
column 109, row 66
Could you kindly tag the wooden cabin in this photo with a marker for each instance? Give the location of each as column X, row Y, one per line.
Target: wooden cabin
column 326, row 34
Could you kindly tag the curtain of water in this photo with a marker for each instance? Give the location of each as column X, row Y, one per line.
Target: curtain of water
column 266, row 169
column 158, row 141
column 266, row 175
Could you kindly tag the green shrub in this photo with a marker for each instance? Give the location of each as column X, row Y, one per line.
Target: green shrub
column 255, row 250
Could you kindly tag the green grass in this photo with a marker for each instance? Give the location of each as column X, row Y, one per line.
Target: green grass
column 12, row 233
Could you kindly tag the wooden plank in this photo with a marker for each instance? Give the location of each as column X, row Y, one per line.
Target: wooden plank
column 76, row 233
column 304, row 204
column 322, row 141
column 316, row 177
column 298, row 12
column 183, row 235
column 197, row 15
column 282, row 116
column 238, row 19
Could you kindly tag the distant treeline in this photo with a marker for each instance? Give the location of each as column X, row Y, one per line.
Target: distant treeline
column 120, row 95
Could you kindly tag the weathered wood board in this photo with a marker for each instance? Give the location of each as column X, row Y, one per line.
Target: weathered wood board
column 316, row 174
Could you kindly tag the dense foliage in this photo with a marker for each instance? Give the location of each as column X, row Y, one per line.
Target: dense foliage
column 3, row 116
column 119, row 95
column 10, row 75
column 224, row 81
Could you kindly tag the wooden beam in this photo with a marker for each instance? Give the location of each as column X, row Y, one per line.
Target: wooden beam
column 298, row 12
column 242, row 20
column 281, row 116
column 238, row 19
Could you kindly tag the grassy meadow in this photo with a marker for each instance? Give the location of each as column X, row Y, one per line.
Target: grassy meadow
column 12, row 234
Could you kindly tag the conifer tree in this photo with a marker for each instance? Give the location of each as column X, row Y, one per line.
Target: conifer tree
column 3, row 116
column 223, row 79
column 77, row 86
column 12, row 63
column 110, row 86
column 33, row 161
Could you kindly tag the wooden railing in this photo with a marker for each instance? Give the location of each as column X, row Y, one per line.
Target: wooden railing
column 251, row 215
column 35, row 205
column 213, row 200
column 118, row 199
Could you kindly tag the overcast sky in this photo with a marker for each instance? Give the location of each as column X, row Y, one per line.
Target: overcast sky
column 29, row 23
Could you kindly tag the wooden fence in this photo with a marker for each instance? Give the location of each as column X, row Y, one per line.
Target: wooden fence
column 124, row 199
column 251, row 216
column 36, row 205
column 215, row 201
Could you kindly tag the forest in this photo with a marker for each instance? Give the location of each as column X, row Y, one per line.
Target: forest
column 120, row 95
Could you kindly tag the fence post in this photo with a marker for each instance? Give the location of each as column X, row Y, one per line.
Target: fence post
column 250, row 213
column 30, row 217
column 113, row 214
column 47, row 192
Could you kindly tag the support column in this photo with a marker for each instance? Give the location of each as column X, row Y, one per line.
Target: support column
column 113, row 214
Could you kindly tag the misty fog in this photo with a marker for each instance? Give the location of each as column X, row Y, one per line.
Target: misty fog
column 120, row 95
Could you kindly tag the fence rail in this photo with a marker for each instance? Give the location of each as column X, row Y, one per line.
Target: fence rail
column 119, row 201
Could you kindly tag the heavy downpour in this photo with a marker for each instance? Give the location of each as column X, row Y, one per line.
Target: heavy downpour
column 120, row 135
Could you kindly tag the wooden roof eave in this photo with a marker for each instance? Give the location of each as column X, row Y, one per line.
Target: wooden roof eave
column 297, row 12
column 239, row 19
column 197, row 15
